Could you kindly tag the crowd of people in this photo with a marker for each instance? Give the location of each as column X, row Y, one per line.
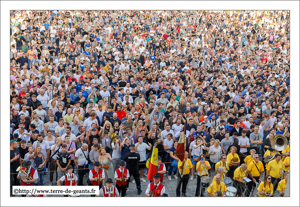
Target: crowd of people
column 92, row 92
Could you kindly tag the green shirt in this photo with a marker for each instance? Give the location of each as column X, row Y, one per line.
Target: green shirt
column 25, row 48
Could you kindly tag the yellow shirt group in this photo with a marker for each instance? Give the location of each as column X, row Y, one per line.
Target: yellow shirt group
column 230, row 156
column 248, row 159
column 281, row 185
column 267, row 188
column 274, row 168
column 214, row 187
column 286, row 162
column 222, row 178
column 220, row 164
column 239, row 173
column 201, row 168
column 253, row 169
column 188, row 167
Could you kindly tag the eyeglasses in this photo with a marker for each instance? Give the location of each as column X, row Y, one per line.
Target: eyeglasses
column 255, row 157
column 268, row 178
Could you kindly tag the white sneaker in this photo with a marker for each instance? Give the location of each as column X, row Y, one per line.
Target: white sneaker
column 133, row 181
column 175, row 176
column 169, row 177
column 192, row 178
column 143, row 180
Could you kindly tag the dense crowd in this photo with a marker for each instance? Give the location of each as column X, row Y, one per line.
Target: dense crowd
column 88, row 89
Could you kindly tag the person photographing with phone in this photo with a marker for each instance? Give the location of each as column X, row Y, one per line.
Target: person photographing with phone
column 202, row 168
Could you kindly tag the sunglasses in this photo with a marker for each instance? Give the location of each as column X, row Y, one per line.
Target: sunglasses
column 268, row 178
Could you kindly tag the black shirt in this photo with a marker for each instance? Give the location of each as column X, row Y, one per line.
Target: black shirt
column 132, row 159
column 15, row 164
column 63, row 159
column 220, row 137
column 23, row 151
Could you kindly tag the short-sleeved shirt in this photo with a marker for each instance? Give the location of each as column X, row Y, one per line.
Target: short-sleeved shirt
column 15, row 164
column 239, row 173
column 201, row 168
column 44, row 145
column 281, row 185
column 168, row 143
column 226, row 143
column 244, row 141
column 141, row 149
column 253, row 169
column 188, row 167
column 63, row 159
column 267, row 188
column 214, row 187
column 274, row 168
column 230, row 156
column 81, row 158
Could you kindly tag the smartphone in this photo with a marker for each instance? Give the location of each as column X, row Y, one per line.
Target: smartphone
column 201, row 158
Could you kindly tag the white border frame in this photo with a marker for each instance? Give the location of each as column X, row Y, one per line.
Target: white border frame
column 293, row 6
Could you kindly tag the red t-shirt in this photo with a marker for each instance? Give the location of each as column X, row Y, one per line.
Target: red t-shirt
column 165, row 36
column 21, row 94
column 264, row 60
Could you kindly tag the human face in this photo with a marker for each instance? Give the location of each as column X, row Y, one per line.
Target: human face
column 156, row 180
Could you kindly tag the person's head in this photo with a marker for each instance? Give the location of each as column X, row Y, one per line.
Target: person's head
column 267, row 179
column 40, row 138
column 218, row 178
column 68, row 130
column 132, row 148
column 277, row 157
column 186, row 155
column 70, row 169
column 233, row 149
column 244, row 167
column 220, row 170
column 14, row 144
column 102, row 151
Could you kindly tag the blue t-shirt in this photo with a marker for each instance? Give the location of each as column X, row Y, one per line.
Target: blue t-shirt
column 46, row 26
column 172, row 150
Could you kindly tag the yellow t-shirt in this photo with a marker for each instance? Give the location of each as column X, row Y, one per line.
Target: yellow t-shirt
column 222, row 178
column 248, row 159
column 188, row 167
column 239, row 173
column 68, row 118
column 281, row 185
column 214, row 187
column 268, row 152
column 253, row 170
column 201, row 168
column 230, row 156
column 219, row 164
column 286, row 162
column 285, row 151
column 267, row 189
column 274, row 168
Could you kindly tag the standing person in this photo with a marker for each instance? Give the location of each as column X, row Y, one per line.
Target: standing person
column 173, row 160
column 155, row 188
column 63, row 161
column 273, row 169
column 105, row 161
column 15, row 162
column 225, row 143
column 202, row 170
column 55, row 149
column 71, row 149
column 81, row 162
column 198, row 150
column 255, row 171
column 132, row 159
column 39, row 161
column 244, row 145
column 96, row 176
column 116, row 154
column 168, row 143
column 233, row 161
column 215, row 152
column 121, row 176
column 44, row 145
column 282, row 184
column 109, row 190
column 239, row 182
column 265, row 188
column 255, row 139
column 184, row 168
column 161, row 169
column 70, row 179
column 141, row 148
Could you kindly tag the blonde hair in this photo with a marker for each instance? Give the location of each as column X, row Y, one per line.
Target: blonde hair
column 244, row 166
column 99, row 152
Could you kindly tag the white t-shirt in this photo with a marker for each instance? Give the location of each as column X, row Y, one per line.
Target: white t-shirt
column 141, row 149
column 192, row 144
column 176, row 128
column 165, row 133
column 88, row 123
column 81, row 158
column 116, row 154
column 198, row 151
column 216, row 157
column 168, row 143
